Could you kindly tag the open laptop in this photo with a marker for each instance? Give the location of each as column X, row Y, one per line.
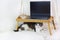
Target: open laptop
column 40, row 10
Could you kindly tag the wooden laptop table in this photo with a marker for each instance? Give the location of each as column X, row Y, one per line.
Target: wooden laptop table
column 36, row 20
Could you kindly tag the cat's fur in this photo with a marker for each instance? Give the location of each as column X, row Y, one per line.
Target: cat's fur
column 30, row 25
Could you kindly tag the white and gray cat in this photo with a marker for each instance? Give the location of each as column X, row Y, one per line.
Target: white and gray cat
column 31, row 25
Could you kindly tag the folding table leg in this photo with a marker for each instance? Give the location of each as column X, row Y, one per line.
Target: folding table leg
column 49, row 28
column 16, row 27
column 54, row 24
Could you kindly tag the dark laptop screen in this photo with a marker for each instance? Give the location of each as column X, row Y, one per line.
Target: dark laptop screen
column 40, row 9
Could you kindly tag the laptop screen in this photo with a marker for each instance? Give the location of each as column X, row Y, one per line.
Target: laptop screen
column 40, row 9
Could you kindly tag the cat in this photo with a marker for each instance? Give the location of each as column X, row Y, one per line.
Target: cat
column 30, row 25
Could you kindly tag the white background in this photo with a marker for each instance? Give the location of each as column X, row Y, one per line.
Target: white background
column 10, row 9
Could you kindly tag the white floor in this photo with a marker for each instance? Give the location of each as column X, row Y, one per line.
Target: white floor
column 20, row 36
